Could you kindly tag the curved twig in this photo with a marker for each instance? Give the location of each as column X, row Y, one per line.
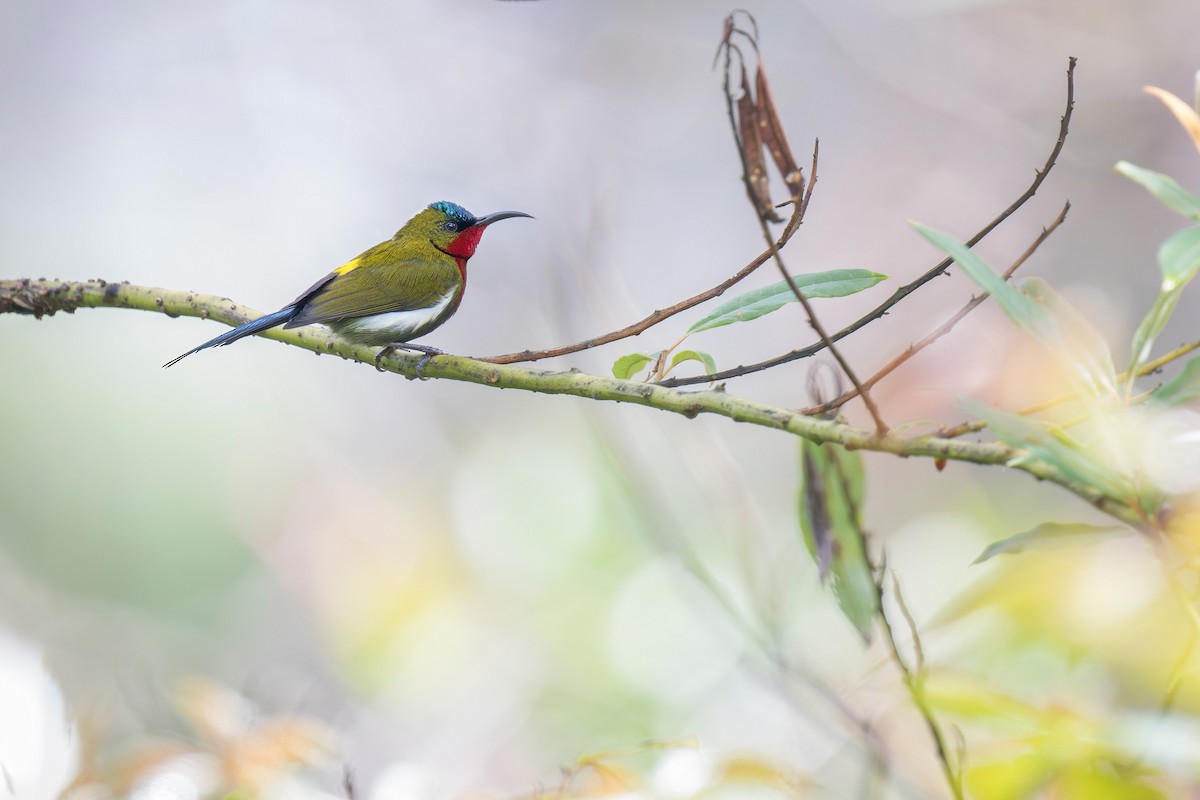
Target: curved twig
column 909, row 288
column 942, row 329
column 659, row 315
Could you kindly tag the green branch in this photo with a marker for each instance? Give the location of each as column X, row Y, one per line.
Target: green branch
column 47, row 297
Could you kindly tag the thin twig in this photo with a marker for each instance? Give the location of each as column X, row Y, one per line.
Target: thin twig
column 909, row 288
column 659, row 315
column 898, row 596
column 880, row 426
column 914, row 678
column 945, row 327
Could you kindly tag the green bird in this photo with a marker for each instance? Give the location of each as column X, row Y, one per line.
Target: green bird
column 397, row 291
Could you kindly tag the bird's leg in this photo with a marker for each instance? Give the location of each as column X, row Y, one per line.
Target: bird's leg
column 429, row 352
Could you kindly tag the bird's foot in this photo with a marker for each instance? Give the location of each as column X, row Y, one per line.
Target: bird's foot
column 429, row 353
column 383, row 353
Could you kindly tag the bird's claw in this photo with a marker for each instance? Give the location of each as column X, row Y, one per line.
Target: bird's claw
column 419, row 372
column 383, row 353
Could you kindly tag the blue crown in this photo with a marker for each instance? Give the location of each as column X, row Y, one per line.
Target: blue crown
column 453, row 210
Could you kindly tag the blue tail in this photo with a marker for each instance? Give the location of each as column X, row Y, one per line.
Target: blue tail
column 249, row 329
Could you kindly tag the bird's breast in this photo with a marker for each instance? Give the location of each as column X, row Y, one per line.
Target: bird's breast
column 391, row 327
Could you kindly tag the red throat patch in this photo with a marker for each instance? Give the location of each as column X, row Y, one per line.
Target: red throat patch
column 465, row 243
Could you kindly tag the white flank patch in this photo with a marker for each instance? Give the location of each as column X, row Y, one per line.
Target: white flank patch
column 399, row 326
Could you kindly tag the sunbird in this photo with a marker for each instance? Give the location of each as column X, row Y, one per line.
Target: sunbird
column 397, row 291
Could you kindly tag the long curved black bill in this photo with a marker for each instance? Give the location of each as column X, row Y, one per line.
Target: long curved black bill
column 484, row 221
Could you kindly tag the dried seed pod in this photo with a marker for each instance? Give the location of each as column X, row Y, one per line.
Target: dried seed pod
column 750, row 131
column 773, row 135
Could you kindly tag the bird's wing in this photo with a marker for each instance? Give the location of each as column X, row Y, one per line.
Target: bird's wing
column 377, row 283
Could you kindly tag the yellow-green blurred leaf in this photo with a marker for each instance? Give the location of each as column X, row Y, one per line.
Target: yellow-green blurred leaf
column 967, row 698
column 1007, row 779
column 1053, row 448
column 1089, row 780
column 1045, row 535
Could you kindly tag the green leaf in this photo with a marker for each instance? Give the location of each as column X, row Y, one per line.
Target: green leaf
column 1150, row 327
column 1055, row 449
column 1041, row 313
column 965, row 696
column 1182, row 389
column 1044, row 535
column 710, row 366
column 626, row 367
column 1179, row 258
column 832, row 485
column 1019, row 308
column 1164, row 187
column 757, row 302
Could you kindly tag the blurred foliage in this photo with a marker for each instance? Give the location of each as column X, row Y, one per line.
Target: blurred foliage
column 563, row 598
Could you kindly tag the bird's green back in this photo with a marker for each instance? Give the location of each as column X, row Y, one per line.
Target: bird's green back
column 405, row 273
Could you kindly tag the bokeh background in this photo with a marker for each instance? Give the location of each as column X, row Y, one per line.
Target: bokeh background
column 457, row 591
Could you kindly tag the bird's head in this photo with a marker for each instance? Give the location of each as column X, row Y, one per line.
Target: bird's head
column 451, row 228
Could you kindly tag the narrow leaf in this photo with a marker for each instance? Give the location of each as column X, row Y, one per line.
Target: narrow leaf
column 1044, row 535
column 831, row 494
column 1164, row 187
column 1016, row 305
column 626, row 367
column 1041, row 313
column 757, row 302
column 1179, row 258
column 1151, row 326
column 710, row 366
column 1182, row 389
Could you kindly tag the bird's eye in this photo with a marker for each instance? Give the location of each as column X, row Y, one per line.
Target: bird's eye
column 450, row 225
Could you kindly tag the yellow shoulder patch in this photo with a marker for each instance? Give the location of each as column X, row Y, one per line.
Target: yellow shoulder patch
column 349, row 266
